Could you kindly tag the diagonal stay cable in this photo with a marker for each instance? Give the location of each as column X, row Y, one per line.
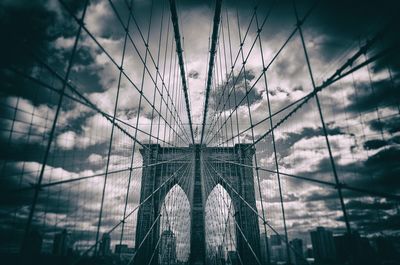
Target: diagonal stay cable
column 85, row 102
column 234, row 219
column 259, row 30
column 132, row 211
column 92, row 176
column 115, row 63
column 155, row 221
column 317, row 181
column 252, row 209
column 263, row 71
column 334, row 78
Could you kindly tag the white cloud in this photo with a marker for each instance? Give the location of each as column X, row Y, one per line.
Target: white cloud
column 64, row 43
column 95, row 158
column 67, row 140
column 30, row 121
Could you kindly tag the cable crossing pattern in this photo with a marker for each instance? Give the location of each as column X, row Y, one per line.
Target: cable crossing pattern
column 297, row 139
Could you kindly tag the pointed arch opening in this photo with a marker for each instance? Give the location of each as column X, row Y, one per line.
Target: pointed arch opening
column 220, row 226
column 174, row 241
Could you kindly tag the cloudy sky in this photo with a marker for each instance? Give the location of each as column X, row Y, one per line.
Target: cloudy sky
column 361, row 111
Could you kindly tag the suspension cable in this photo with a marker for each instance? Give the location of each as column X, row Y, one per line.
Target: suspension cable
column 175, row 23
column 214, row 39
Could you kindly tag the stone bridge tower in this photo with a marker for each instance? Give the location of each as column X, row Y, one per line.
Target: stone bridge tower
column 187, row 162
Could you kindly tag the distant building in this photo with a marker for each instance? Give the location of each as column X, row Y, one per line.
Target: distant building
column 167, row 248
column 275, row 240
column 296, row 252
column 309, row 252
column 387, row 248
column 277, row 249
column 232, row 258
column 123, row 249
column 278, row 253
column 264, row 244
column 354, row 249
column 324, row 250
column 62, row 244
column 105, row 245
column 120, row 248
column 33, row 244
column 220, row 255
column 343, row 248
column 124, row 252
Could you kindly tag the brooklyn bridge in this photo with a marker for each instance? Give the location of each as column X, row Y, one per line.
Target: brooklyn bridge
column 199, row 132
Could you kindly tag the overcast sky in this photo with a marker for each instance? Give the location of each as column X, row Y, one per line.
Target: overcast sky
column 361, row 111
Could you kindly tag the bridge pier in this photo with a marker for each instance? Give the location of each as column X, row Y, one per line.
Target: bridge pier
column 197, row 239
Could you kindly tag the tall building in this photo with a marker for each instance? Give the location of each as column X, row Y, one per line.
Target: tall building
column 264, row 244
column 323, row 245
column 309, row 252
column 105, row 245
column 296, row 252
column 124, row 252
column 275, row 240
column 220, row 255
column 121, row 248
column 62, row 244
column 386, row 248
column 168, row 248
column 33, row 244
column 278, row 253
column 277, row 249
column 354, row 249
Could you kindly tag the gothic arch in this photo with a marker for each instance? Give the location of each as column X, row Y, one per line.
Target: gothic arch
column 222, row 229
column 176, row 219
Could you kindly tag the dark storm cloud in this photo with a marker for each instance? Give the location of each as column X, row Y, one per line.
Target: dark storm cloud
column 194, row 74
column 30, row 26
column 15, row 85
column 25, row 24
column 379, row 171
column 369, row 96
column 372, row 220
column 327, row 194
column 33, row 29
column 306, row 133
column 21, row 151
column 344, row 22
column 385, row 167
column 374, row 144
column 85, row 72
column 357, row 204
column 391, row 125
column 12, row 200
column 224, row 94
